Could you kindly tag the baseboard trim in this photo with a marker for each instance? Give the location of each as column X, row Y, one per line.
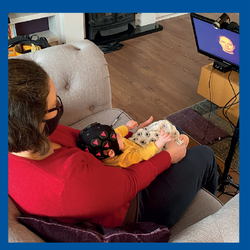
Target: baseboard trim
column 163, row 16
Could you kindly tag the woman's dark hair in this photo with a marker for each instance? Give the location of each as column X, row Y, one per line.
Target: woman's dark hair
column 28, row 87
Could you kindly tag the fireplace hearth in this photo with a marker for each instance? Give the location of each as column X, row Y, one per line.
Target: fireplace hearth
column 106, row 28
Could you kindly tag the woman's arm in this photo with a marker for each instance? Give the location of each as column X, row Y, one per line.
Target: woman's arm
column 94, row 190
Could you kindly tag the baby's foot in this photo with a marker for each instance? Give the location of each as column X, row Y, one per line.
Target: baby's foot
column 146, row 123
column 184, row 138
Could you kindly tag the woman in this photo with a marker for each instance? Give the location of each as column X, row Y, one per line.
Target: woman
column 50, row 176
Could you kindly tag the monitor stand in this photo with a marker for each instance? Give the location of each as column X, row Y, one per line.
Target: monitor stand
column 224, row 178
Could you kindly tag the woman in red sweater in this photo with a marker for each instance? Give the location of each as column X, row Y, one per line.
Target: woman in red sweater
column 50, row 176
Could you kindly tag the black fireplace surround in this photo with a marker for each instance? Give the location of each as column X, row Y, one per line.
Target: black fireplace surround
column 100, row 25
column 109, row 29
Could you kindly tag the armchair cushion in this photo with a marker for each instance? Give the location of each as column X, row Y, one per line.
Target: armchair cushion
column 203, row 205
column 52, row 230
column 222, row 226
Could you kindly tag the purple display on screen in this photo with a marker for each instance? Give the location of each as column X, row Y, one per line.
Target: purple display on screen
column 220, row 43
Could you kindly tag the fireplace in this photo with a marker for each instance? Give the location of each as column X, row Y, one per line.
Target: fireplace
column 101, row 26
column 107, row 30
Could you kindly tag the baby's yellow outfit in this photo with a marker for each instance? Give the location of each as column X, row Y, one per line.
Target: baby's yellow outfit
column 132, row 153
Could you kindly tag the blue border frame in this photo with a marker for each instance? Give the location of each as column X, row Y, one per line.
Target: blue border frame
column 160, row 6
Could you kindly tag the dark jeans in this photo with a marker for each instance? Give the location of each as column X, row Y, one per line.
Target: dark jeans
column 168, row 196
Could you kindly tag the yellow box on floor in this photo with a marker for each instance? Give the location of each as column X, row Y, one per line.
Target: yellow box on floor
column 220, row 88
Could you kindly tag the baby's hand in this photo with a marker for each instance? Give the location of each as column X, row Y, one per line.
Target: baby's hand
column 131, row 124
column 163, row 139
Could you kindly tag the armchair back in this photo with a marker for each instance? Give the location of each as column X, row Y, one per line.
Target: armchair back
column 80, row 75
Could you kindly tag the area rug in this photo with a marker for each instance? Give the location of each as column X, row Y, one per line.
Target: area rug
column 198, row 127
column 201, row 122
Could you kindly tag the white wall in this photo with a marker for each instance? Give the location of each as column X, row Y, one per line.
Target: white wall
column 143, row 19
column 72, row 27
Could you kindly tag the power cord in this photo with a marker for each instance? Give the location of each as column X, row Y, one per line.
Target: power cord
column 116, row 119
column 228, row 105
column 233, row 101
column 210, row 98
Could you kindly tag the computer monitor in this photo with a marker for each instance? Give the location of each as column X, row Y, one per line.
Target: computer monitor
column 222, row 44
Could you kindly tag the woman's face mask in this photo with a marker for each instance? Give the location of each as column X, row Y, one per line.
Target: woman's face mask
column 51, row 124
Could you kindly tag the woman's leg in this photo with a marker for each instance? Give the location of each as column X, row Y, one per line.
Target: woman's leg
column 169, row 195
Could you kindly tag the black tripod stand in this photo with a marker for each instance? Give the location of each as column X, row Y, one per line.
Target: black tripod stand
column 225, row 179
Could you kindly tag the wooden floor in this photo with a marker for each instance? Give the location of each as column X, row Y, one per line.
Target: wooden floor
column 158, row 74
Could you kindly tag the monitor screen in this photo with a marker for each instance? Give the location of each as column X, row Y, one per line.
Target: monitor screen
column 219, row 44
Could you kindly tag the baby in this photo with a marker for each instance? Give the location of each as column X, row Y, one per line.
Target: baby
column 111, row 146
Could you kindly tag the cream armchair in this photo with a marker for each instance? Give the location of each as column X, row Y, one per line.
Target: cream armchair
column 81, row 77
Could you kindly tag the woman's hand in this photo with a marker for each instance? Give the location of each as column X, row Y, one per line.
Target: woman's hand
column 176, row 151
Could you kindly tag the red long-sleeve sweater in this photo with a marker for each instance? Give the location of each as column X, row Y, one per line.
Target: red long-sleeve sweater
column 73, row 186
